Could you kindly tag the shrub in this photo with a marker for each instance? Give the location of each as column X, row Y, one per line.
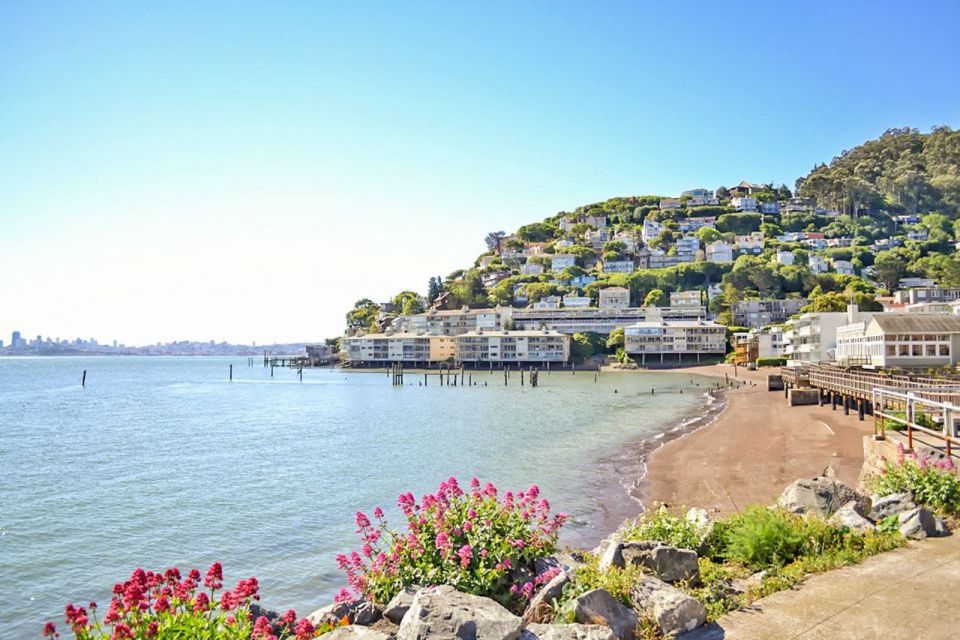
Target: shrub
column 473, row 541
column 771, row 362
column 760, row 538
column 934, row 484
column 675, row 531
column 618, row 582
column 162, row 605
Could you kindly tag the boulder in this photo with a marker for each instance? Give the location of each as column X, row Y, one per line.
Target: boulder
column 400, row 604
column 893, row 504
column 540, row 610
column 567, row 632
column 670, row 564
column 599, row 607
column 355, row 633
column 917, row 524
column 334, row 612
column 673, row 610
column 570, row 561
column 847, row 516
column 822, row 496
column 366, row 613
column 601, row 548
column 443, row 613
column 612, row 556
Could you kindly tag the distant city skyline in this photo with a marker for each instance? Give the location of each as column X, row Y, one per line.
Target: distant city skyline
column 249, row 171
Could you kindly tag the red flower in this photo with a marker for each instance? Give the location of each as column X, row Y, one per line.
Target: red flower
column 214, row 579
column 304, row 629
column 50, row 631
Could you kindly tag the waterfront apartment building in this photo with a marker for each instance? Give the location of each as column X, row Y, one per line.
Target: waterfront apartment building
column 759, row 313
column 901, row 340
column 674, row 340
column 412, row 349
column 758, row 343
column 812, row 337
column 605, row 320
column 512, row 347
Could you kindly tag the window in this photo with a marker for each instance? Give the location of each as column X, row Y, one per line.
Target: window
column 931, row 349
column 944, row 350
column 918, row 350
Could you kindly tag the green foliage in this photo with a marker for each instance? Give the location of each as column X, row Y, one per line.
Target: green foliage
column 760, row 538
column 771, row 362
column 739, row 223
column 889, row 267
column 616, row 339
column 656, row 298
column 616, row 581
column 676, row 531
column 363, row 315
column 586, row 345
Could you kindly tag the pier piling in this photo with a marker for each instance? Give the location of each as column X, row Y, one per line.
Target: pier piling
column 231, row 373
column 83, row 380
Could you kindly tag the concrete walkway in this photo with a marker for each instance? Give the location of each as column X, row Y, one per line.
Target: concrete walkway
column 909, row 593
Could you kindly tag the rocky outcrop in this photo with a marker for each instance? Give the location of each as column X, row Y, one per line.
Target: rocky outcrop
column 443, row 613
column 672, row 610
column 822, row 496
column 670, row 564
column 599, row 607
column 891, row 505
column 335, row 612
column 355, row 633
column 847, row 516
column 540, row 609
column 917, row 524
column 400, row 604
column 567, row 632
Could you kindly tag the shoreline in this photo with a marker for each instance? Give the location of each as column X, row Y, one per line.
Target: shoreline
column 750, row 449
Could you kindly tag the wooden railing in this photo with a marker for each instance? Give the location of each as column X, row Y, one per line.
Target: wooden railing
column 861, row 384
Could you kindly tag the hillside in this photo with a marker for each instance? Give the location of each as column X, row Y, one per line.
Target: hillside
column 884, row 210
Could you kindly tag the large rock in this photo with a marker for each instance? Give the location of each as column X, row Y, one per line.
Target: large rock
column 540, row 608
column 400, row 604
column 891, row 505
column 355, row 633
column 367, row 613
column 672, row 610
column 822, row 496
column 599, row 607
column 567, row 632
column 847, row 516
column 612, row 556
column 917, row 524
column 443, row 613
column 667, row 563
column 334, row 612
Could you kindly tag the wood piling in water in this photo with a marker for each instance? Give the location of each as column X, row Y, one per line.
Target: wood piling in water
column 83, row 380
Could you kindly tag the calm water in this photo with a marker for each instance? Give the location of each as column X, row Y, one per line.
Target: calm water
column 162, row 462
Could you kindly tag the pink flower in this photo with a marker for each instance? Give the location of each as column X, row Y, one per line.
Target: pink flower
column 442, row 541
column 362, row 521
column 378, row 513
column 466, row 555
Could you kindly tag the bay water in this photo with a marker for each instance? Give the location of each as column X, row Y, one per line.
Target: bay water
column 164, row 462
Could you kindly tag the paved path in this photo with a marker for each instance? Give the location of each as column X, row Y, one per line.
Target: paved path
column 904, row 594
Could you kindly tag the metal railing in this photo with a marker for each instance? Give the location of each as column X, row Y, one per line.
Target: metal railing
column 916, row 408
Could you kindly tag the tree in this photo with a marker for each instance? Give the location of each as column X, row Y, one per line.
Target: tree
column 536, row 232
column 615, row 340
column 708, row 235
column 493, row 240
column 363, row 315
column 408, row 303
column 656, row 298
column 433, row 288
column 888, row 269
column 722, row 193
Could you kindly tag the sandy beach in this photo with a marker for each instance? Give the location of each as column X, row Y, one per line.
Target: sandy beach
column 755, row 447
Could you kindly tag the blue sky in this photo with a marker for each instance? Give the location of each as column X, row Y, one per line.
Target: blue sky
column 180, row 170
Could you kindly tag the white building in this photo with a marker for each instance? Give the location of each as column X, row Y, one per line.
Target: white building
column 651, row 229
column 901, row 340
column 614, row 298
column 662, row 339
column 527, row 347
column 407, row 348
column 686, row 299
column 531, row 269
column 916, row 283
column 750, row 243
column 691, row 225
column 744, row 204
column 561, row 261
column 670, row 203
column 812, row 337
column 687, row 247
column 785, row 257
column 818, row 264
column 843, row 267
column 618, row 266
column 576, row 301
column 548, row 302
column 720, row 251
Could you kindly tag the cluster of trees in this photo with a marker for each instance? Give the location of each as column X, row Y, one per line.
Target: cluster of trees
column 901, row 171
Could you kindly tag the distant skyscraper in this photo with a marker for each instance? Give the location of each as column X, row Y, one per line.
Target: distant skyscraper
column 15, row 340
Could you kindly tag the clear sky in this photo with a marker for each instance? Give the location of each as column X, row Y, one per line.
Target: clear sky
column 246, row 170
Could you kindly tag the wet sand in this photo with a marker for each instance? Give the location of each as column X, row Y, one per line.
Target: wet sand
column 755, row 447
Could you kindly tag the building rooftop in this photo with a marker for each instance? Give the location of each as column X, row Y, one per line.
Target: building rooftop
column 917, row 322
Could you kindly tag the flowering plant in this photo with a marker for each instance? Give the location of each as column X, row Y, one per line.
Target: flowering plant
column 933, row 482
column 165, row 605
column 475, row 541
